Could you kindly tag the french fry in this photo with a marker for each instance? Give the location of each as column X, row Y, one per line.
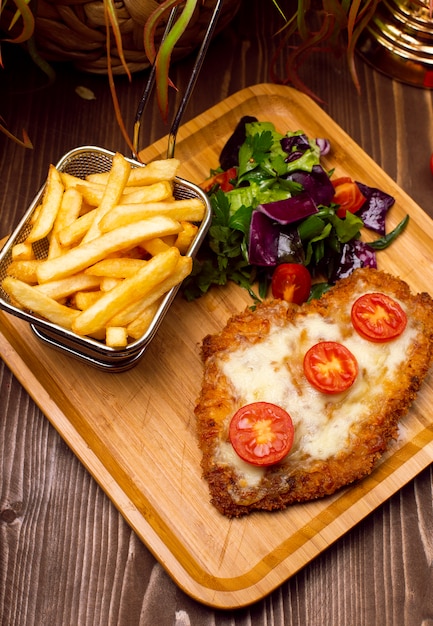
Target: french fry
column 139, row 326
column 155, row 246
column 64, row 287
column 108, row 283
column 70, row 208
column 130, row 290
column 116, row 267
column 116, row 337
column 117, row 179
column 69, row 181
column 22, row 252
column 134, row 310
column 81, row 257
column 54, row 248
column 73, row 233
column 162, row 190
column 24, row 270
column 186, row 236
column 153, row 172
column 83, row 299
column 50, row 205
column 115, row 248
column 92, row 192
column 30, row 298
column 155, row 192
column 182, row 210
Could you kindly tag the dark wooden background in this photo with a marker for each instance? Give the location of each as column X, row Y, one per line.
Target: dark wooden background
column 66, row 555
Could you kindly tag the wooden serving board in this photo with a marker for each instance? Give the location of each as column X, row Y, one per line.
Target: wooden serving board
column 135, row 431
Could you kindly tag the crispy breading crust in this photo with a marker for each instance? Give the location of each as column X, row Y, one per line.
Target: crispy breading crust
column 284, row 484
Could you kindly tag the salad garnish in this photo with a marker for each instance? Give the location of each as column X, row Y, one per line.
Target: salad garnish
column 273, row 202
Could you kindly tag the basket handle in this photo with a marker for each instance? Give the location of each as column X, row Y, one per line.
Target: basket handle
column 189, row 88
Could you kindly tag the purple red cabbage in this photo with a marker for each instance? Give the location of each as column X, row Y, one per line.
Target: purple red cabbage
column 289, row 210
column 316, row 183
column 290, row 248
column 298, row 143
column 374, row 210
column 354, row 254
column 263, row 240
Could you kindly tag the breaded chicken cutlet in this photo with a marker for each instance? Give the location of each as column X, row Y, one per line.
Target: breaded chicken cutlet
column 338, row 437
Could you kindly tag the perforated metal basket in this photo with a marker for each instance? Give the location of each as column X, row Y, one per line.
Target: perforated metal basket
column 80, row 163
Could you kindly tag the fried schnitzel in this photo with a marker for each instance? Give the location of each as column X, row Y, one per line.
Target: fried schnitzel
column 338, row 437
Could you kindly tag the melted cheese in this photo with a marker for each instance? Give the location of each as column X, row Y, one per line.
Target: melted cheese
column 272, row 371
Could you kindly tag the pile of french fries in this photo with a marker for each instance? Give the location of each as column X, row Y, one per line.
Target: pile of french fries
column 116, row 245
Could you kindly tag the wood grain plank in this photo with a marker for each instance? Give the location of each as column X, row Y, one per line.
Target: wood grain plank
column 128, row 422
column 370, row 576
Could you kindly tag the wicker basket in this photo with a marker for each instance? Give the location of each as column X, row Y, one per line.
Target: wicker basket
column 75, row 31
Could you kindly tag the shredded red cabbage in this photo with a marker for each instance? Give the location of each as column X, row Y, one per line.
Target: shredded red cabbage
column 374, row 210
column 290, row 210
column 263, row 240
column 299, row 143
column 316, row 183
column 354, row 254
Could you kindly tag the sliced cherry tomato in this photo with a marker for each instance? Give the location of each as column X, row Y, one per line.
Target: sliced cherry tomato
column 223, row 179
column 347, row 195
column 291, row 282
column 330, row 367
column 378, row 317
column 261, row 433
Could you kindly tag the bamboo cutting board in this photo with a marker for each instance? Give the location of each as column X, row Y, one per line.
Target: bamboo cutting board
column 135, row 431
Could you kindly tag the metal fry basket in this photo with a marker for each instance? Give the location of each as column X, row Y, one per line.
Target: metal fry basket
column 81, row 162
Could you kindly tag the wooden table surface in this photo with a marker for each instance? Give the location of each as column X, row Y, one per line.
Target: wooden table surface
column 67, row 557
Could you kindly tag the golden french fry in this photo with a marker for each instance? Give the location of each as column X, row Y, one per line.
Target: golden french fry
column 50, row 205
column 69, row 181
column 30, row 298
column 92, row 193
column 139, row 326
column 163, row 169
column 117, row 179
column 74, row 232
column 155, row 246
column 24, row 270
column 156, row 192
column 69, row 210
column 64, row 287
column 182, row 210
column 130, row 290
column 116, row 337
column 22, row 252
column 54, row 248
column 186, row 237
column 108, row 283
column 81, row 257
column 83, row 299
column 134, row 310
column 116, row 268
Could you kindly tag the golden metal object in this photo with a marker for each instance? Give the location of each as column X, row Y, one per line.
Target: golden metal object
column 398, row 41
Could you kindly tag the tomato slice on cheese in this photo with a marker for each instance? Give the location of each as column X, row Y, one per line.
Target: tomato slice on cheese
column 378, row 317
column 330, row 367
column 261, row 433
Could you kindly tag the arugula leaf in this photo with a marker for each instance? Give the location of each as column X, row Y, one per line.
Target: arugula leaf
column 384, row 242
